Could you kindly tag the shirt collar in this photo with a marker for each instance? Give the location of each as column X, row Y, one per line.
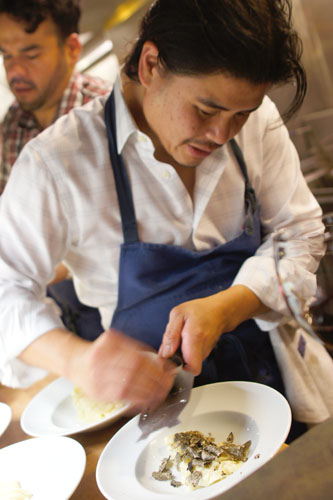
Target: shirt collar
column 125, row 124
column 26, row 119
column 71, row 96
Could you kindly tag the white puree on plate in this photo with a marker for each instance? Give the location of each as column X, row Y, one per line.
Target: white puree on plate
column 89, row 410
column 11, row 490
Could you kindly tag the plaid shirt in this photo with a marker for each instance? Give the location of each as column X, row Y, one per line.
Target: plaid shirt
column 20, row 126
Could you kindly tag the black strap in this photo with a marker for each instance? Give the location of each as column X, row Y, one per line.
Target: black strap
column 125, row 199
column 249, row 194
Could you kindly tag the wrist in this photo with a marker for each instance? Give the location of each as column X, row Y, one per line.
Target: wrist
column 241, row 304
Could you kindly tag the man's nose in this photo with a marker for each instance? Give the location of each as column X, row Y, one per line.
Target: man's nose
column 220, row 130
column 15, row 69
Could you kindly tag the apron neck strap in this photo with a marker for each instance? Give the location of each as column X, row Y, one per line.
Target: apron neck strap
column 249, row 195
column 125, row 199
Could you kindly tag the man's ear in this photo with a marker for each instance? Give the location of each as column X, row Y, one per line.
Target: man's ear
column 74, row 48
column 148, row 63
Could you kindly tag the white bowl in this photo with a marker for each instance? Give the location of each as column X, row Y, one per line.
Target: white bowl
column 251, row 411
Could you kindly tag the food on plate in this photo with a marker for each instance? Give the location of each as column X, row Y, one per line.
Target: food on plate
column 11, row 490
column 89, row 410
column 196, row 461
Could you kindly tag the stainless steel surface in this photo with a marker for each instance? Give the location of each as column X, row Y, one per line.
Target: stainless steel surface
column 167, row 414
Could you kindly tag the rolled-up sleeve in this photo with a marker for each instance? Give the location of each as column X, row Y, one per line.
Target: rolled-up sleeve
column 284, row 199
column 29, row 254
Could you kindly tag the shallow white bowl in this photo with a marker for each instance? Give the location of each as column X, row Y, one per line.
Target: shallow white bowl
column 250, row 410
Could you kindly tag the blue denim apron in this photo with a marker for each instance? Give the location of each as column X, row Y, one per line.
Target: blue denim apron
column 154, row 278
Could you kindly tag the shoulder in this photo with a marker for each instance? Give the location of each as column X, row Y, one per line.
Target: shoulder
column 263, row 126
column 92, row 86
column 82, row 129
column 266, row 116
column 266, row 144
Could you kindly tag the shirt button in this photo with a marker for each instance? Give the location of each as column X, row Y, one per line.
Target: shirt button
column 166, row 174
column 142, row 138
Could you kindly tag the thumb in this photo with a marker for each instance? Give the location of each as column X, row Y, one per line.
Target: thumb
column 172, row 336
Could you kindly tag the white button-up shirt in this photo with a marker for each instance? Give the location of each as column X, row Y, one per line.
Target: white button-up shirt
column 60, row 205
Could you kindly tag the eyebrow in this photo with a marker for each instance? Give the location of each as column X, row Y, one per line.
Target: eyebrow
column 24, row 49
column 34, row 46
column 212, row 104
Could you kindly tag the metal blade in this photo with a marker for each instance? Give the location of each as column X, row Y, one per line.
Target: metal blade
column 167, row 414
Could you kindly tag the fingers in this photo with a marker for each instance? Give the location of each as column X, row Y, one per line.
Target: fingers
column 145, row 381
column 196, row 326
column 172, row 335
column 120, row 368
column 183, row 331
column 192, row 349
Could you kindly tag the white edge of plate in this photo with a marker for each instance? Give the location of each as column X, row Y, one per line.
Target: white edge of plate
column 65, row 431
column 7, row 413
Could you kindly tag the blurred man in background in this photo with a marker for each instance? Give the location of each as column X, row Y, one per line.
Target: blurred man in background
column 40, row 46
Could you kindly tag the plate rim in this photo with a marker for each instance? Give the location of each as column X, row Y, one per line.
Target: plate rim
column 65, row 431
column 8, row 414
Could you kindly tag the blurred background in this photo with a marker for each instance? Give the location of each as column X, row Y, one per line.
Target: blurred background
column 109, row 26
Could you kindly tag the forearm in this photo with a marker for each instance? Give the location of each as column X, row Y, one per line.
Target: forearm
column 57, row 351
column 112, row 368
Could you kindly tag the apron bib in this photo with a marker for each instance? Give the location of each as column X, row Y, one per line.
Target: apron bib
column 154, row 278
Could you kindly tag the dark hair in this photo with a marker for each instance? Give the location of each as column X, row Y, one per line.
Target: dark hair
column 64, row 13
column 251, row 39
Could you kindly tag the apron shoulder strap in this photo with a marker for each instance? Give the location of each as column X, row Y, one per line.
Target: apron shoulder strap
column 124, row 192
column 249, row 195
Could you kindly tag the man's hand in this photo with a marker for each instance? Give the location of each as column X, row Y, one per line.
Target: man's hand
column 116, row 367
column 198, row 324
column 113, row 367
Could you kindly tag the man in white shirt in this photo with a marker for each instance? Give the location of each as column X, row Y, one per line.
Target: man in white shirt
column 172, row 238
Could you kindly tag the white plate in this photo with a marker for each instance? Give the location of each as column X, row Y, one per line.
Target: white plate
column 251, row 411
column 47, row 467
column 52, row 413
column 5, row 417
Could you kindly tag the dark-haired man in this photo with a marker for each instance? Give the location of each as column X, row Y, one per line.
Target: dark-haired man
column 40, row 46
column 147, row 198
